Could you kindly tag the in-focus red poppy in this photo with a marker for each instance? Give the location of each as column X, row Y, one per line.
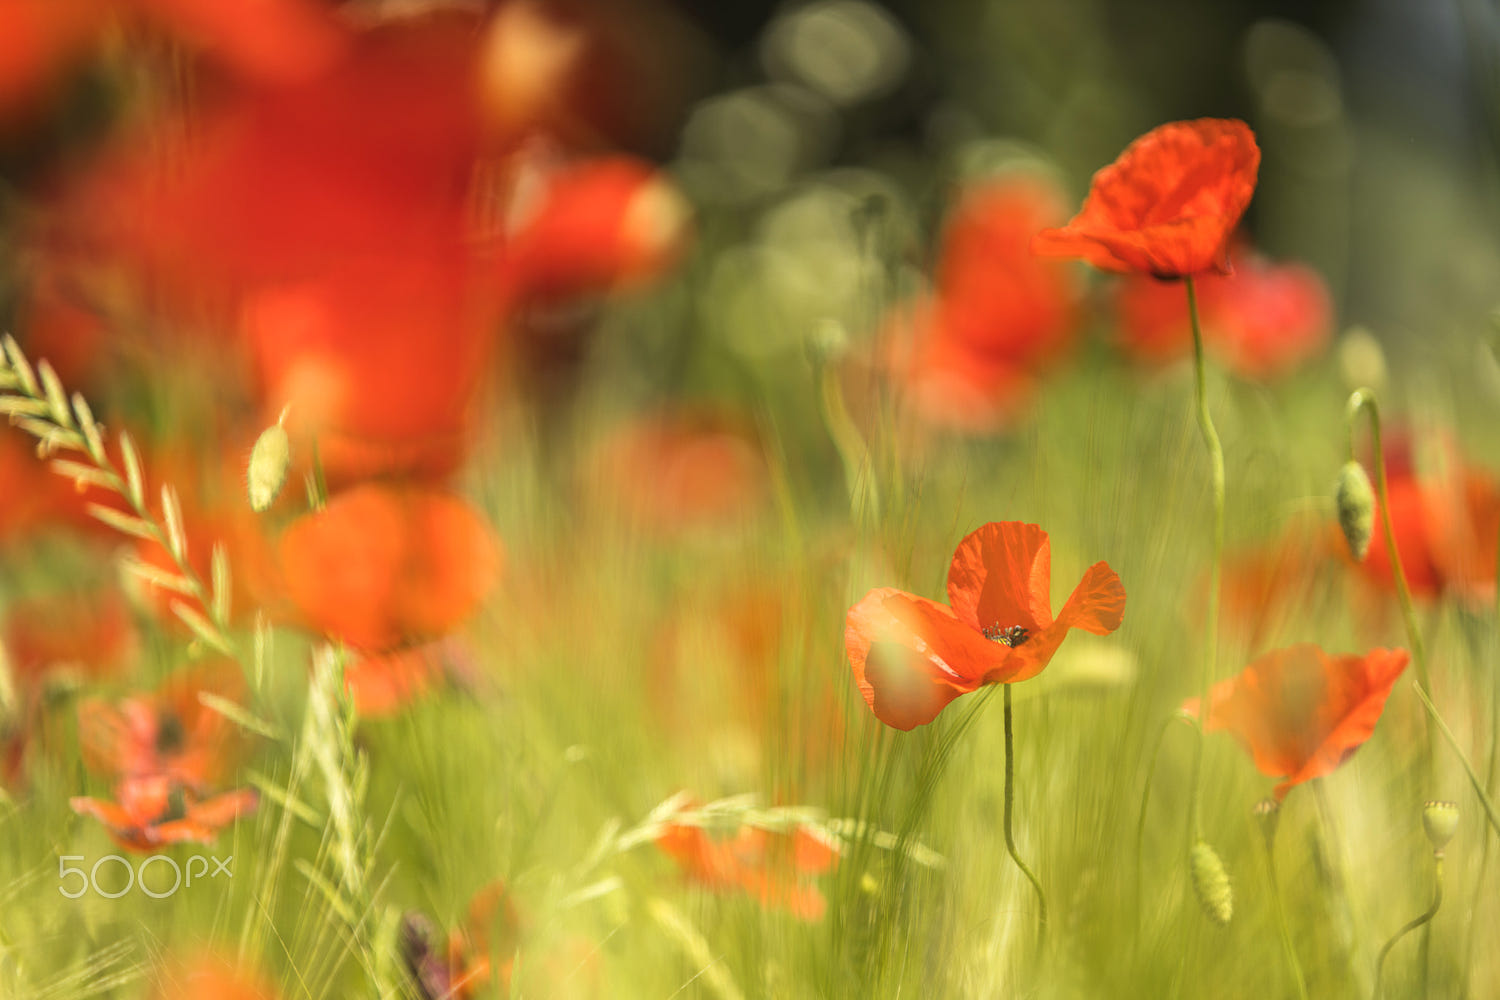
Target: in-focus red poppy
column 383, row 566
column 1263, row 321
column 1301, row 712
column 1168, row 205
column 776, row 868
column 154, row 810
column 911, row 656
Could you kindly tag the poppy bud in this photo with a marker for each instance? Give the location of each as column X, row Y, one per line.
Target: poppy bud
column 269, row 460
column 1356, row 504
column 1268, row 815
column 1211, row 883
column 1440, row 820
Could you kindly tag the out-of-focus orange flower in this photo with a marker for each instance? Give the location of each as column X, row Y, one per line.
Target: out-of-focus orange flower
column 967, row 356
column 383, row 566
column 271, row 41
column 166, row 752
column 1262, row 321
column 383, row 683
column 1300, row 712
column 170, row 733
column 480, row 951
column 1445, row 516
column 154, row 810
column 210, row 976
column 912, row 656
column 91, row 634
column 775, row 868
column 594, row 226
column 677, row 471
column 1168, row 205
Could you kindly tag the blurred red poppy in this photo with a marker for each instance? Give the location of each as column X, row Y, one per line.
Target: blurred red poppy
column 89, row 633
column 1168, row 205
column 210, row 976
column 272, row 41
column 1300, row 712
column 382, row 566
column 1263, row 321
column 1445, row 515
column 154, row 810
column 912, row 656
column 678, row 470
column 593, row 226
column 169, row 734
column 951, row 385
column 775, row 868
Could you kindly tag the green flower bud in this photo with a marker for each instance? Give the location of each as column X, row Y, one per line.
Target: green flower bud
column 269, row 461
column 1211, row 883
column 1356, row 503
column 1440, row 820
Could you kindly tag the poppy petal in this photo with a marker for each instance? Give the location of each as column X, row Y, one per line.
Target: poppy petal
column 1001, row 576
column 1367, row 680
column 911, row 656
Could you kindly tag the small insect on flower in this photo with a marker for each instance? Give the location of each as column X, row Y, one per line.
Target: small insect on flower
column 912, row 656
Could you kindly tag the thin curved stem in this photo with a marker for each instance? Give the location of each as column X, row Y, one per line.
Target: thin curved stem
column 1140, row 823
column 1282, row 927
column 1211, row 615
column 1010, row 841
column 1437, row 901
column 1365, row 399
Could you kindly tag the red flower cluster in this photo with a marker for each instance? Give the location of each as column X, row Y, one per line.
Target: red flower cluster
column 166, row 753
column 912, row 656
column 1300, row 712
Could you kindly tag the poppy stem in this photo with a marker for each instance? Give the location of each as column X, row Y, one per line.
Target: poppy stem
column 1282, row 927
column 1010, row 841
column 1484, row 799
column 1437, row 901
column 1365, row 399
column 1140, row 823
column 1211, row 616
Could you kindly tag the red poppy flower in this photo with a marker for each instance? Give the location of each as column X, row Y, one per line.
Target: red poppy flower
column 1445, row 515
column 775, row 868
column 912, row 656
column 994, row 295
column 1262, row 321
column 88, row 633
column 381, row 566
column 594, row 226
column 1301, row 712
column 1168, row 205
column 675, row 471
column 155, row 810
column 169, row 734
column 951, row 385
column 210, row 976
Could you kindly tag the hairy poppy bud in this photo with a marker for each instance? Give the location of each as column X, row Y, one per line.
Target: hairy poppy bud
column 1440, row 820
column 269, row 460
column 1356, row 503
column 1211, row 883
column 1268, row 815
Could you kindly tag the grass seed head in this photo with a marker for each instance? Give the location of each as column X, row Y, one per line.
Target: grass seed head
column 269, row 461
column 1211, row 883
column 1356, row 505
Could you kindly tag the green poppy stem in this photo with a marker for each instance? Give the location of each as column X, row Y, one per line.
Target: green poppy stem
column 1437, row 901
column 1211, row 616
column 1010, row 841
